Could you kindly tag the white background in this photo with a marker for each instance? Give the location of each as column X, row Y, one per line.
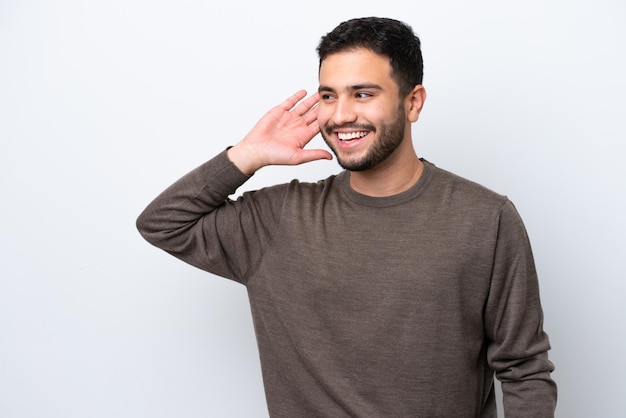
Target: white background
column 105, row 103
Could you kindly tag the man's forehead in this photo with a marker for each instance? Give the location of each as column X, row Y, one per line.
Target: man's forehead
column 355, row 68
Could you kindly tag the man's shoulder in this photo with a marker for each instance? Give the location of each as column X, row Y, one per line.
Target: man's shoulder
column 297, row 188
column 318, row 186
column 463, row 190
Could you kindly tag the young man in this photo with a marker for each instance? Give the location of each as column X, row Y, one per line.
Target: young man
column 393, row 289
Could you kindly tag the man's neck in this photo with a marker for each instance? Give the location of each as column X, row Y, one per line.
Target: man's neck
column 395, row 175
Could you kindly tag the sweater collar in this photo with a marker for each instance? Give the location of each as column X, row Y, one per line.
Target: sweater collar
column 380, row 202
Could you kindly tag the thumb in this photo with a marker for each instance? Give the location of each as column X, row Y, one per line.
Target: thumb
column 308, row 155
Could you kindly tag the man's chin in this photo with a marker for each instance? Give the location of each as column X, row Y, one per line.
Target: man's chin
column 353, row 165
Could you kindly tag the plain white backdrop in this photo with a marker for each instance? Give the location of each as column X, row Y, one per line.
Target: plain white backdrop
column 105, row 103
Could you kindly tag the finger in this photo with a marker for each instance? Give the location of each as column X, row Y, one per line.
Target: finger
column 312, row 130
column 309, row 155
column 308, row 104
column 293, row 100
column 310, row 116
column 308, row 133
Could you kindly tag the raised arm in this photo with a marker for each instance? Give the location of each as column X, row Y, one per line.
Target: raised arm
column 194, row 220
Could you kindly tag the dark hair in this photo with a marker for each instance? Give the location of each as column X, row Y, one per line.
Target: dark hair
column 384, row 36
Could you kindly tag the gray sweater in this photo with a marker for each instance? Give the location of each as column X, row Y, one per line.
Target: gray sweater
column 402, row 306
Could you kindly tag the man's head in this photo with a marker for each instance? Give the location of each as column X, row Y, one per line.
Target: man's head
column 370, row 89
column 384, row 36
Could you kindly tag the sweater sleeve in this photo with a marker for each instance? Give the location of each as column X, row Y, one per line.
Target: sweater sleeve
column 518, row 346
column 195, row 220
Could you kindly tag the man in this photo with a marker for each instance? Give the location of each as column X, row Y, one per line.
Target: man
column 393, row 289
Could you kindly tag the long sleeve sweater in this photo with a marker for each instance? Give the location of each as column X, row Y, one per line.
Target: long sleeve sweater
column 402, row 306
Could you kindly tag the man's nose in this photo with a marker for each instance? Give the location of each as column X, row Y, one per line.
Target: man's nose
column 343, row 112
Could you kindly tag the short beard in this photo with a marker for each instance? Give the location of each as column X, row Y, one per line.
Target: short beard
column 391, row 137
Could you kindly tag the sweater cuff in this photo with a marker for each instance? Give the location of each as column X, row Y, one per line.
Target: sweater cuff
column 222, row 174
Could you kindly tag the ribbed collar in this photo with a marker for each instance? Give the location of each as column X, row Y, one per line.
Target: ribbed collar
column 382, row 202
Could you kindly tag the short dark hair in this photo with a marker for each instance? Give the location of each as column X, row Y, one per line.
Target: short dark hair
column 391, row 38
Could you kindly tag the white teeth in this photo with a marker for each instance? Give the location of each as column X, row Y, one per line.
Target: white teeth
column 346, row 136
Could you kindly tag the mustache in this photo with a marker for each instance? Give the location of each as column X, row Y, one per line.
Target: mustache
column 352, row 126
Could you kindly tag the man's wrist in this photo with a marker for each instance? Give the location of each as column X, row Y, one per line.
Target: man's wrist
column 243, row 159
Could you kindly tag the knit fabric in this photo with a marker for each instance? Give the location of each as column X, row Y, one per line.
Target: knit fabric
column 401, row 306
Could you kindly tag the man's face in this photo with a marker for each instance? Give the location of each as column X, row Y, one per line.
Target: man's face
column 361, row 116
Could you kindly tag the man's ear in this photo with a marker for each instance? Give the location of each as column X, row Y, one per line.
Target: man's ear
column 415, row 101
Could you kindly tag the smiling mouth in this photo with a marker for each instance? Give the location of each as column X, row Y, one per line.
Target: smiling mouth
column 349, row 136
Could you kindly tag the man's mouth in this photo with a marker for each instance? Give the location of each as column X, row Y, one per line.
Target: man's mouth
column 349, row 136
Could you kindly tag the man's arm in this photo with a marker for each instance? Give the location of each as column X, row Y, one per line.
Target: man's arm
column 518, row 350
column 194, row 220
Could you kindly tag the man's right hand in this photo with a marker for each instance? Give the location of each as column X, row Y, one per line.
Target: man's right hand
column 280, row 136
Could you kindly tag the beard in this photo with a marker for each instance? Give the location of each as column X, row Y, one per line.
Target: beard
column 390, row 138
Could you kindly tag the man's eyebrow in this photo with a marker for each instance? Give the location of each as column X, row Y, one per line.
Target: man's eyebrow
column 364, row 86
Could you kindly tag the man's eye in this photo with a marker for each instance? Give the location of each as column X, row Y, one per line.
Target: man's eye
column 363, row 95
column 326, row 96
